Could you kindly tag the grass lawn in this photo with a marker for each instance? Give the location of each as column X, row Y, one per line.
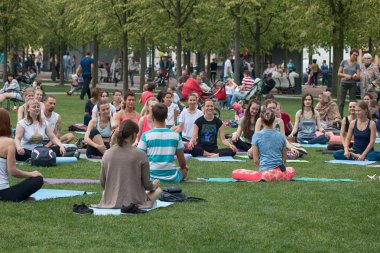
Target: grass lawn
column 238, row 217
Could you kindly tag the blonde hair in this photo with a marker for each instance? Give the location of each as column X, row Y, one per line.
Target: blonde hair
column 145, row 109
column 28, row 117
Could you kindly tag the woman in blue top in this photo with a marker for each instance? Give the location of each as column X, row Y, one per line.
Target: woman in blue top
column 364, row 131
column 307, row 122
column 99, row 131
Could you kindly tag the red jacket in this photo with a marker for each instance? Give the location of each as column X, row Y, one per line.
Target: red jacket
column 190, row 86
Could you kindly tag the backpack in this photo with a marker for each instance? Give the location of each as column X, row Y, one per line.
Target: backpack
column 175, row 194
column 42, row 156
column 70, row 150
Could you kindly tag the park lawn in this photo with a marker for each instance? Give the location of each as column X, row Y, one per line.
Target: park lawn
column 238, row 217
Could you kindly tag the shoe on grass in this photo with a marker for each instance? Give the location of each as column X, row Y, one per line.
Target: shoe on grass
column 132, row 209
column 82, row 209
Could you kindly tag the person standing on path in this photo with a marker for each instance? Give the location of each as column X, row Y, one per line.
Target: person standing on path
column 86, row 67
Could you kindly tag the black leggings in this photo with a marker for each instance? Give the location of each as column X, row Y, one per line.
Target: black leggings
column 198, row 151
column 22, row 190
column 92, row 152
column 242, row 145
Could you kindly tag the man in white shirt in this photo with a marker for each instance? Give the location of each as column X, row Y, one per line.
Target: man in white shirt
column 228, row 68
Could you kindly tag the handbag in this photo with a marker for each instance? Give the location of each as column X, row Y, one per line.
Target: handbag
column 43, row 156
column 175, row 194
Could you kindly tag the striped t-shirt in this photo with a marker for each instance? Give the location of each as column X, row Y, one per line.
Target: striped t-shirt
column 160, row 145
column 248, row 81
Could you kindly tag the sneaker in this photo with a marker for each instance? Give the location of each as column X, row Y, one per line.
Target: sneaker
column 132, row 209
column 68, row 93
column 82, row 209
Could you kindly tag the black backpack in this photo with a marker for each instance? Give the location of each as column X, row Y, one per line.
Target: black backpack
column 42, row 156
column 175, row 194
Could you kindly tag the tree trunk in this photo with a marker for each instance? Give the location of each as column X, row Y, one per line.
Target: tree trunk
column 125, row 62
column 53, row 70
column 338, row 45
column 370, row 45
column 188, row 61
column 178, row 54
column 152, row 71
column 61, row 69
column 142, row 62
column 258, row 55
column 96, row 62
column 208, row 66
column 237, row 45
column 5, row 41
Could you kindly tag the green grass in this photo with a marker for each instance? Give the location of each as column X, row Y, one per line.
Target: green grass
column 238, row 217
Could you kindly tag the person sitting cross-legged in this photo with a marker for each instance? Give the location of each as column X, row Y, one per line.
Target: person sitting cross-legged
column 206, row 129
column 161, row 144
column 364, row 131
column 125, row 178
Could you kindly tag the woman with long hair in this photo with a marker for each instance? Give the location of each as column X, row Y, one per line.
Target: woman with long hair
column 90, row 104
column 246, row 126
column 33, row 181
column 125, row 179
column 363, row 129
column 28, row 95
column 146, row 121
column 99, row 131
column 307, row 122
column 30, row 133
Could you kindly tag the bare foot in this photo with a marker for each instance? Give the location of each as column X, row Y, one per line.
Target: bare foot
column 355, row 156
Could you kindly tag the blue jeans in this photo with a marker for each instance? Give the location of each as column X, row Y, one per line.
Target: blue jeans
column 228, row 101
column 131, row 75
column 324, row 79
column 236, row 96
column 322, row 139
column 67, row 71
column 372, row 155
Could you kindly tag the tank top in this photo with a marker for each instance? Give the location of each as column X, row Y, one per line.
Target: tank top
column 307, row 127
column 51, row 122
column 104, row 132
column 145, row 126
column 33, row 134
column 4, row 182
column 361, row 138
column 135, row 119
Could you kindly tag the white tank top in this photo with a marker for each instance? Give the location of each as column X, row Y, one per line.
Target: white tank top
column 4, row 183
column 33, row 134
column 51, row 122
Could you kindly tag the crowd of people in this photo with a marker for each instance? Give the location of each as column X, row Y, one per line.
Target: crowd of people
column 168, row 127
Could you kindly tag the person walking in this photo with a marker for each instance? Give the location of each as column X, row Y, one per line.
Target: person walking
column 86, row 68
column 67, row 64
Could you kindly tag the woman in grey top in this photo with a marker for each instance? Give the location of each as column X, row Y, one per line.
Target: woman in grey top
column 349, row 71
column 307, row 123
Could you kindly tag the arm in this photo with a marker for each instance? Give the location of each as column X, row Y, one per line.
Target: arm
column 258, row 125
column 348, row 139
column 371, row 142
column 255, row 155
column 282, row 127
column 87, row 139
column 113, row 123
column 145, row 176
column 20, row 113
column 103, row 174
column 56, row 131
column 284, row 153
column 176, row 112
column 343, row 132
column 141, row 122
column 236, row 136
column 182, row 163
column 193, row 140
column 178, row 128
column 92, row 69
column 318, row 119
column 295, row 128
column 18, row 137
column 54, row 139
column 11, row 164
column 225, row 141
column 341, row 74
column 79, row 70
column 356, row 76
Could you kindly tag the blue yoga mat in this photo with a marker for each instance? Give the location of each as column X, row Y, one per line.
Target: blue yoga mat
column 43, row 194
column 350, row 162
column 377, row 140
column 314, row 145
column 311, row 179
column 217, row 159
column 157, row 204
column 66, row 160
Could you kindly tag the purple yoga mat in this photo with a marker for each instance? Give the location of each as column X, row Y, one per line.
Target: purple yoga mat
column 70, row 180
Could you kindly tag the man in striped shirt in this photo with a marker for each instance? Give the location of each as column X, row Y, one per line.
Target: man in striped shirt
column 246, row 85
column 161, row 144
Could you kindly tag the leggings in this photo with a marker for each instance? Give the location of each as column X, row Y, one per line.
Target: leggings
column 322, row 139
column 372, row 155
column 198, row 151
column 22, row 190
column 94, row 152
column 242, row 145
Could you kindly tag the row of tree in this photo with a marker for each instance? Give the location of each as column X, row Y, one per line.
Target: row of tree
column 184, row 26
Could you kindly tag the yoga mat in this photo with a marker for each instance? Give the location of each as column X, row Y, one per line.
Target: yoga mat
column 296, row 161
column 77, row 132
column 377, row 140
column 314, row 145
column 374, row 166
column 217, row 159
column 83, row 156
column 71, row 181
column 43, row 194
column 243, row 156
column 350, row 162
column 157, row 204
column 187, row 156
column 61, row 160
column 311, row 179
column 241, row 152
column 218, row 179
